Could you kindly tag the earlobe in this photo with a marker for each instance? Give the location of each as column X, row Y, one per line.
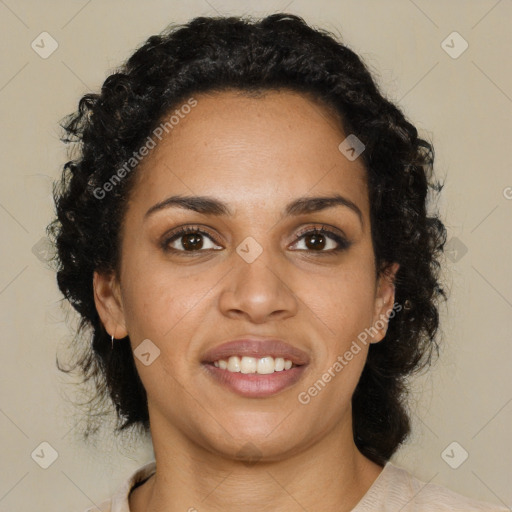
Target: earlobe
column 384, row 302
column 107, row 298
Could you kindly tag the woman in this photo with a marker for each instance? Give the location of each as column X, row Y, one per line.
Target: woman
column 245, row 231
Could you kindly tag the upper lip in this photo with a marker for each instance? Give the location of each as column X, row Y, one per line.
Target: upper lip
column 256, row 347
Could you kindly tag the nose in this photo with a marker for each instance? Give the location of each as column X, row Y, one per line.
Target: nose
column 259, row 291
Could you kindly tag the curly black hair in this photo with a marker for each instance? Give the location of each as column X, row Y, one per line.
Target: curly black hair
column 278, row 52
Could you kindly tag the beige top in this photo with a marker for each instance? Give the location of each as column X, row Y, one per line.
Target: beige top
column 395, row 489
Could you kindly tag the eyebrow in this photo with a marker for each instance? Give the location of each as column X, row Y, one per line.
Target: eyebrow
column 210, row 206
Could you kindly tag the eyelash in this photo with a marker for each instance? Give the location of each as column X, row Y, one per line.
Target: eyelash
column 343, row 244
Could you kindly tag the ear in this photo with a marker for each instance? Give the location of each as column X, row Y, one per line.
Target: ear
column 107, row 297
column 384, row 301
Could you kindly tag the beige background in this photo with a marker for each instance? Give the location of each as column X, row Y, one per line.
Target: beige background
column 464, row 105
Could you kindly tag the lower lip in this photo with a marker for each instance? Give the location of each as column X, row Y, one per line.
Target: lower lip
column 254, row 385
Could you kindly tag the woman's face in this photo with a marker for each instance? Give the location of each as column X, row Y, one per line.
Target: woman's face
column 250, row 273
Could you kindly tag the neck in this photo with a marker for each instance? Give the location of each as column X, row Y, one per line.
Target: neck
column 329, row 475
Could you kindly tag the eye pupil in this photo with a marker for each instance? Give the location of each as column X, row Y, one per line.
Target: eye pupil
column 315, row 244
column 192, row 241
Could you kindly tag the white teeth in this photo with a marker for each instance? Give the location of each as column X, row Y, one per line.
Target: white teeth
column 262, row 366
column 265, row 365
column 233, row 364
column 248, row 364
column 279, row 364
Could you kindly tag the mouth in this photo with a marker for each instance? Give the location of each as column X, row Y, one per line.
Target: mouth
column 255, row 368
column 249, row 365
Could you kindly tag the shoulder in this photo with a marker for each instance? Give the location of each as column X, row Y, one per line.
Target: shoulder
column 119, row 501
column 396, row 489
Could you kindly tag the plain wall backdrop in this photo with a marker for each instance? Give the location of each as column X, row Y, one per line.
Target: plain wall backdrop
column 460, row 98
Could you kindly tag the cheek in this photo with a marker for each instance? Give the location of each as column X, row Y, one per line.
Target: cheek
column 344, row 307
column 342, row 302
column 159, row 300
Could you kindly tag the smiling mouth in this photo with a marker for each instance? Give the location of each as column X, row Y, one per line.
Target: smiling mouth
column 254, row 365
column 253, row 384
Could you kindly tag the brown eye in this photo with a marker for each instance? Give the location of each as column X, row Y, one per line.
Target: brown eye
column 192, row 241
column 189, row 240
column 316, row 240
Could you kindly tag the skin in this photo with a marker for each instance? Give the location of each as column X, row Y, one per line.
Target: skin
column 256, row 155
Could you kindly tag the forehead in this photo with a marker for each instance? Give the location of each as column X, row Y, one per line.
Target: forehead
column 251, row 150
